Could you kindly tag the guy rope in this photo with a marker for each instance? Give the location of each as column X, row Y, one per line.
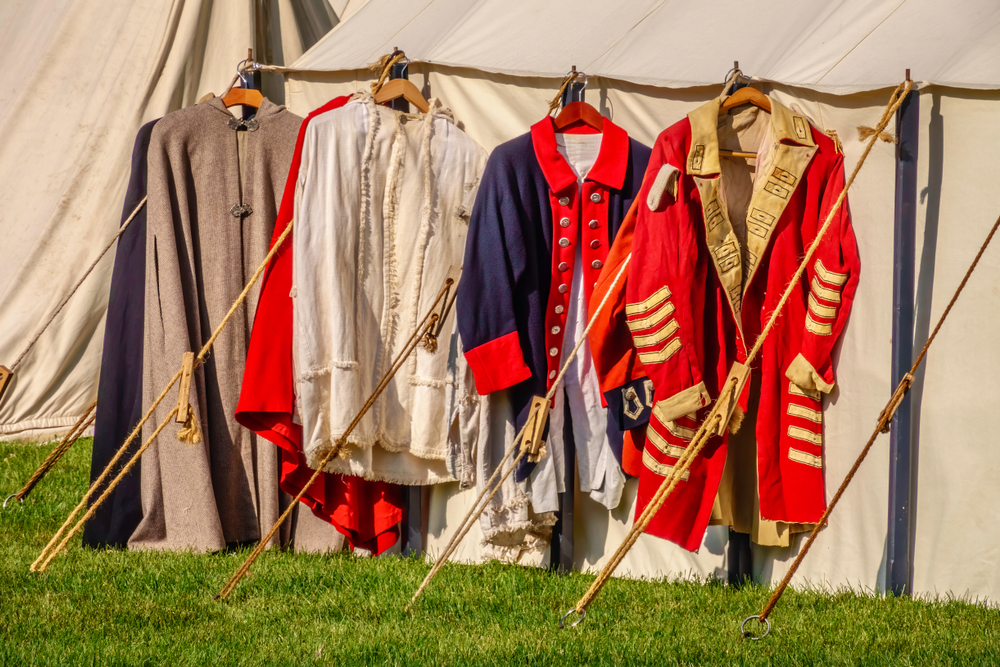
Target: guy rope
column 479, row 506
column 423, row 331
column 882, row 426
column 6, row 374
column 722, row 407
column 68, row 440
column 55, row 545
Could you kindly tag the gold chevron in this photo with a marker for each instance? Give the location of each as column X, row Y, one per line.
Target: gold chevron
column 661, row 469
column 650, row 321
column 829, row 276
column 661, row 444
column 678, row 431
column 812, row 326
column 819, row 310
column 799, row 391
column 662, row 355
column 805, row 436
column 806, row 413
column 664, row 333
column 806, row 458
column 654, row 299
column 825, row 293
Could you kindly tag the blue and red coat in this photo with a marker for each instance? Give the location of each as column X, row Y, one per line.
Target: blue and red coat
column 520, row 254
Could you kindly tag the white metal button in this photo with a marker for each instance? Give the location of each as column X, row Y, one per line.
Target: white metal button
column 564, row 222
column 563, row 266
column 594, row 224
column 564, row 201
column 596, row 197
column 595, row 244
column 559, row 310
column 552, row 375
column 555, row 330
column 597, row 264
column 563, row 288
column 563, row 243
column 553, row 351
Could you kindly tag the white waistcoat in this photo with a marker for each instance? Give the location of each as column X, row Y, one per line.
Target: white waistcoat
column 381, row 213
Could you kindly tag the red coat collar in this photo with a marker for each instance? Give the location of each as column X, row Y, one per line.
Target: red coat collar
column 608, row 170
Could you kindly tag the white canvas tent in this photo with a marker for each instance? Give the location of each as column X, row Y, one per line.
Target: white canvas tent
column 498, row 64
column 78, row 77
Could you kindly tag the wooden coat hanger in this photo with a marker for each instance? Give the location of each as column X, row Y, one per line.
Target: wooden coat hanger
column 578, row 113
column 745, row 95
column 245, row 96
column 397, row 88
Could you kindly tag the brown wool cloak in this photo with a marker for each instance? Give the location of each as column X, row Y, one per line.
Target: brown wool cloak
column 214, row 187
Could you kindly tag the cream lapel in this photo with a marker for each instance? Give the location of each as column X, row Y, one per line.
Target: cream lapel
column 794, row 149
column 703, row 165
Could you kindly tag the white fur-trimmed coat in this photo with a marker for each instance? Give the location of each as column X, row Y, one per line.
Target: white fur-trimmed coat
column 381, row 213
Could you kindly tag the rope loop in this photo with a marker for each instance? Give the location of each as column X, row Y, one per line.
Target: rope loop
column 574, row 610
column 568, row 79
column 384, row 66
column 751, row 636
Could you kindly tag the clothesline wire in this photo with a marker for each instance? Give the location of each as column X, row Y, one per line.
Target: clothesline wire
column 425, row 325
column 90, row 269
column 714, row 418
column 479, row 507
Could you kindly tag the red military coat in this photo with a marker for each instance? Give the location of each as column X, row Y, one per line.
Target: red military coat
column 707, row 269
column 366, row 512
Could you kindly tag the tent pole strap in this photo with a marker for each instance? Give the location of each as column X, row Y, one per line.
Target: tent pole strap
column 899, row 551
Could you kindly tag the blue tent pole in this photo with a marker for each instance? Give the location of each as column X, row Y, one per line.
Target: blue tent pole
column 899, row 540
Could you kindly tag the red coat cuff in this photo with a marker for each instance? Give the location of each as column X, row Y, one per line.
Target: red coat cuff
column 498, row 364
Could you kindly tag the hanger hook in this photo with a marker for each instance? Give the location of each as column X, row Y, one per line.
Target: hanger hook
column 241, row 71
column 577, row 73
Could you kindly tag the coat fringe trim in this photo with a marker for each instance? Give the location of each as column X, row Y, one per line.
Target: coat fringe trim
column 326, row 369
column 374, row 120
column 427, row 211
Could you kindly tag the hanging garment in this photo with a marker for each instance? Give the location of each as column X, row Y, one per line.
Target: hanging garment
column 715, row 244
column 381, row 212
column 214, row 184
column 119, row 390
column 366, row 512
column 548, row 209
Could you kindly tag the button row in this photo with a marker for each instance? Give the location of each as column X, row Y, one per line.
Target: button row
column 564, row 243
column 595, row 197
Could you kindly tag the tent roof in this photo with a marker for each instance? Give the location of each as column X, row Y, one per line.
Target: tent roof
column 839, row 47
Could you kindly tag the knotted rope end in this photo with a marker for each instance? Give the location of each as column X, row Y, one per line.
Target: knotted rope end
column 736, row 420
column 190, row 433
column 865, row 133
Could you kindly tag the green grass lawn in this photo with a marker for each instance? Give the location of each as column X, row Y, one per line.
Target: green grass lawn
column 111, row 608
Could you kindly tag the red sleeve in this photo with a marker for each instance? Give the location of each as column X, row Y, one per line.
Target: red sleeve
column 665, row 294
column 615, row 358
column 833, row 275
